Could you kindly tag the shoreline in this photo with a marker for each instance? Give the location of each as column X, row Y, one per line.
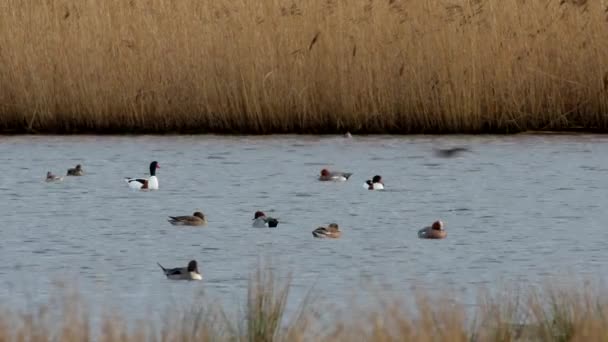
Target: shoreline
column 565, row 131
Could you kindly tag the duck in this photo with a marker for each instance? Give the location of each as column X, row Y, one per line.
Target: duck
column 77, row 171
column 375, row 183
column 142, row 183
column 260, row 220
column 335, row 176
column 50, row 177
column 197, row 219
column 435, row 231
column 451, row 152
column 183, row 273
column 332, row 231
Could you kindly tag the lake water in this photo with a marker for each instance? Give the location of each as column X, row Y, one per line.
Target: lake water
column 518, row 209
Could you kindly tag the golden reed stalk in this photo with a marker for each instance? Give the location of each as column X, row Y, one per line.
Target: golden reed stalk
column 318, row 66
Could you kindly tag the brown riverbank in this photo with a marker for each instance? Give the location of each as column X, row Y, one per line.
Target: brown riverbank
column 321, row 66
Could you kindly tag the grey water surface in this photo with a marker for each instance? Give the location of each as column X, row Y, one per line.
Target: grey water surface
column 518, row 209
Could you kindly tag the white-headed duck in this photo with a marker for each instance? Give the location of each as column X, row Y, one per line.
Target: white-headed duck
column 260, row 220
column 332, row 231
column 327, row 175
column 143, row 183
column 183, row 273
column 197, row 219
column 435, row 231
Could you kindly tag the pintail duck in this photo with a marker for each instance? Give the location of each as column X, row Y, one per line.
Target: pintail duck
column 183, row 273
column 326, row 175
column 197, row 219
column 375, row 183
column 435, row 231
column 331, row 231
column 50, row 177
column 77, row 171
column 143, row 183
column 260, row 220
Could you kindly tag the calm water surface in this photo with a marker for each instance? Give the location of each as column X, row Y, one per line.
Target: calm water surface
column 518, row 209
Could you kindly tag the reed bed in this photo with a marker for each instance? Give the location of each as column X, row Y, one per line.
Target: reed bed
column 550, row 313
column 318, row 66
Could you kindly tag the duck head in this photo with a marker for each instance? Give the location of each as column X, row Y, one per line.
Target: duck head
column 377, row 179
column 192, row 266
column 437, row 225
column 199, row 215
column 333, row 227
column 258, row 214
column 153, row 166
column 325, row 173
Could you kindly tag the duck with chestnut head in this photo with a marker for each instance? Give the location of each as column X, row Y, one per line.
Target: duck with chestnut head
column 335, row 176
column 435, row 231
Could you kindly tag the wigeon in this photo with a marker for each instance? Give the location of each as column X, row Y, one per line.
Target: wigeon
column 435, row 231
column 332, row 231
column 197, row 219
column 142, row 183
column 326, row 175
column 183, row 273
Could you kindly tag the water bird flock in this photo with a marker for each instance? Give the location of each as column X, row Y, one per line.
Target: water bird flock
column 260, row 219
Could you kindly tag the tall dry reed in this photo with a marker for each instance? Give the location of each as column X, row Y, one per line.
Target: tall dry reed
column 577, row 313
column 318, row 66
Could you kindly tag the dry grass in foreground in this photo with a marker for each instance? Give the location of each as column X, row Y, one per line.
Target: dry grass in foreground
column 575, row 314
column 318, row 66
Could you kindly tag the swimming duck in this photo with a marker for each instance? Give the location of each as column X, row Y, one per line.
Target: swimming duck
column 332, row 231
column 197, row 219
column 77, row 171
column 435, row 231
column 50, row 177
column 326, row 175
column 260, row 220
column 183, row 273
column 375, row 183
column 142, row 183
